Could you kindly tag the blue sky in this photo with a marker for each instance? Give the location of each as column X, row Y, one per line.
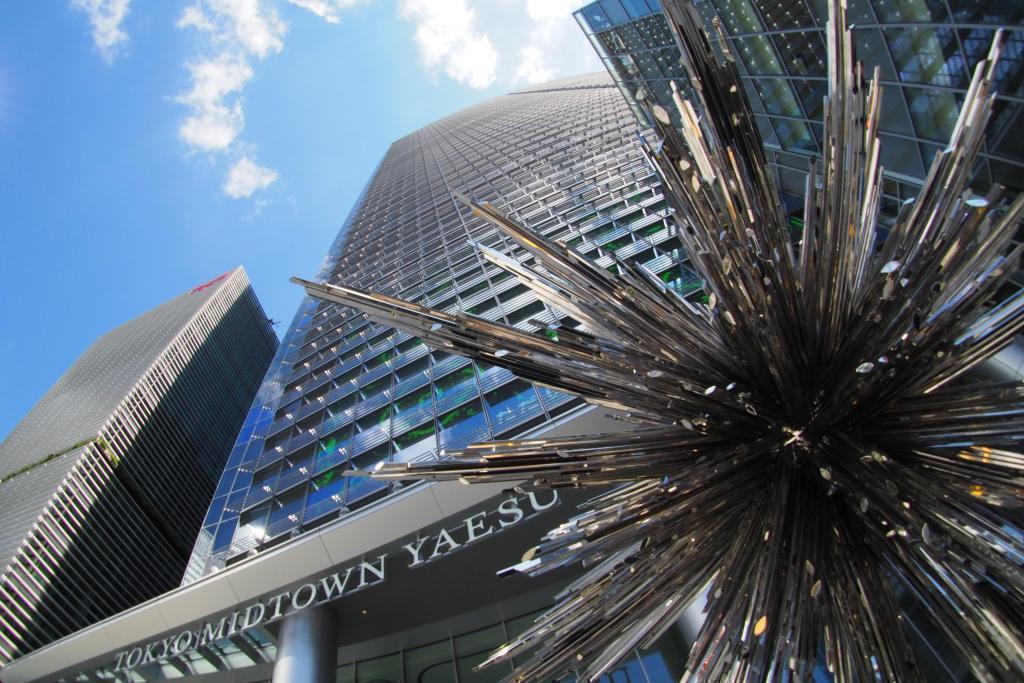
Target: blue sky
column 147, row 146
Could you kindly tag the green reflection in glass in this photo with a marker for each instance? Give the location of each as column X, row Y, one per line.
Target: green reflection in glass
column 327, row 477
column 478, row 287
column 651, row 229
column 485, row 305
column 415, row 435
column 413, row 400
column 449, row 381
column 377, row 386
column 465, row 412
column 444, row 287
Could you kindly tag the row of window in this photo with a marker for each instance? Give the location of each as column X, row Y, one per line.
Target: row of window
column 350, row 393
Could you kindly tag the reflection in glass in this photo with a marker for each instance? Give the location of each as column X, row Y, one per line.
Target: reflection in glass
column 473, row 648
column 429, row 664
column 758, row 56
column 801, row 52
column 461, row 426
column 794, row 135
column 511, row 404
column 927, row 55
column 893, row 11
column 284, row 512
column 934, row 112
column 381, row 670
column 326, row 491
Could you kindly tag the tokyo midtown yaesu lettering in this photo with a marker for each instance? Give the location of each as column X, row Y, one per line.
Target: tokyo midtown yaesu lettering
column 334, row 585
column 426, row 548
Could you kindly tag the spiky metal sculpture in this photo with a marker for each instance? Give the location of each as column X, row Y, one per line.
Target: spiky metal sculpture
column 807, row 442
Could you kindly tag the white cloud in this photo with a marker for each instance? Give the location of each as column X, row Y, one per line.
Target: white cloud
column 325, row 9
column 539, row 40
column 555, row 45
column 259, row 30
column 231, row 33
column 213, row 125
column 105, row 18
column 195, row 17
column 532, row 68
column 552, row 10
column 246, row 177
column 448, row 37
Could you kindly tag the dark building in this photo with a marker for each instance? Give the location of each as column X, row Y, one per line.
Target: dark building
column 925, row 51
column 104, row 483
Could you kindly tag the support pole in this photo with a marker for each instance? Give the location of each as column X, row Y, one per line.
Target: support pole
column 307, row 650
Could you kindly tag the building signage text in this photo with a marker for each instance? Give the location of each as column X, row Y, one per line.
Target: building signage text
column 368, row 572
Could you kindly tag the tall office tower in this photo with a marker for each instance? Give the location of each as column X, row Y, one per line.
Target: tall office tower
column 925, row 51
column 298, row 567
column 104, row 483
column 344, row 393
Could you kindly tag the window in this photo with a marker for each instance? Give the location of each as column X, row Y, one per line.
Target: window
column 326, row 491
column 430, row 663
column 511, row 404
column 381, row 670
column 415, row 399
column 409, row 345
column 462, row 426
column 374, row 419
column 446, row 383
column 473, row 648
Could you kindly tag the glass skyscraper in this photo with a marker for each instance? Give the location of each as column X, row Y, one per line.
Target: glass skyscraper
column 344, row 393
column 104, row 482
column 925, row 51
column 286, row 531
column 398, row 583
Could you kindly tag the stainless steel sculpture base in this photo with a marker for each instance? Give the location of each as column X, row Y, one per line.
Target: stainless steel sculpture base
column 807, row 442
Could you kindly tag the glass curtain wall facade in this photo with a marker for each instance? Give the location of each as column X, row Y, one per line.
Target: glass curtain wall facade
column 104, row 483
column 925, row 51
column 344, row 393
